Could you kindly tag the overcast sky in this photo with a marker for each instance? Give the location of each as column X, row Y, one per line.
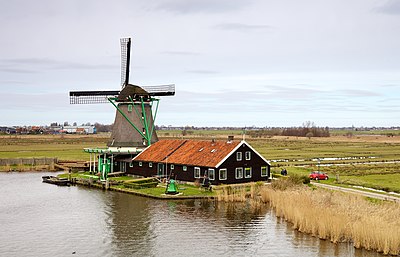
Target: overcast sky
column 234, row 62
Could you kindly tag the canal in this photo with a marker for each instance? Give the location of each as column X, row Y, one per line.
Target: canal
column 40, row 219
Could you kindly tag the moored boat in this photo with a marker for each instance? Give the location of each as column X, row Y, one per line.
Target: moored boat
column 56, row 181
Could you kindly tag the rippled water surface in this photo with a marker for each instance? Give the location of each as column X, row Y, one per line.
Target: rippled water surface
column 40, row 219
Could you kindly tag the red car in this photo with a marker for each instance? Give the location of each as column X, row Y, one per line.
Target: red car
column 317, row 175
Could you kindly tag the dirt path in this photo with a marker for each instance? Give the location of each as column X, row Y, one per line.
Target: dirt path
column 360, row 192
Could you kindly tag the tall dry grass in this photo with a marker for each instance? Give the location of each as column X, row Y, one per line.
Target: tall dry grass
column 339, row 217
column 330, row 215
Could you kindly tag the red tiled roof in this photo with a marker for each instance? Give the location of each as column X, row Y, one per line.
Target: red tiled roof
column 188, row 152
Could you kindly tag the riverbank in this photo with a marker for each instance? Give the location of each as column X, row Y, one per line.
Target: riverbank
column 28, row 164
column 146, row 187
column 40, row 164
column 40, row 219
column 335, row 216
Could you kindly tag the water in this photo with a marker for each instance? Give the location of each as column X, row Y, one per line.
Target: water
column 39, row 219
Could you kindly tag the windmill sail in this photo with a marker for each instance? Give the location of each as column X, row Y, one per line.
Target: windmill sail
column 100, row 97
column 125, row 60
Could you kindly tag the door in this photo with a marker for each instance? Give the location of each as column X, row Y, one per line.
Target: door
column 122, row 166
column 160, row 169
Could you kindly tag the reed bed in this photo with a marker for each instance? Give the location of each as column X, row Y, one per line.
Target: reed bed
column 329, row 215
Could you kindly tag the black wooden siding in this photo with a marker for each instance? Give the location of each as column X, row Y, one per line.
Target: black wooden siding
column 231, row 163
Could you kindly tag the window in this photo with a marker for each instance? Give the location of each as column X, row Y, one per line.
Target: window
column 211, row 174
column 239, row 156
column 264, row 171
column 239, row 173
column 197, row 172
column 131, row 164
column 150, row 164
column 248, row 155
column 172, row 166
column 247, row 172
column 129, row 108
column 184, row 168
column 223, row 174
column 140, row 164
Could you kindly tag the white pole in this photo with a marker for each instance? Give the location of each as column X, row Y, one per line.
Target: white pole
column 90, row 162
column 94, row 163
column 112, row 162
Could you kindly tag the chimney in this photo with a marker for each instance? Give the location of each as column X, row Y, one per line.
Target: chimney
column 230, row 139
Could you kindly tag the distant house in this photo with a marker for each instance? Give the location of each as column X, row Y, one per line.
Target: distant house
column 8, row 130
column 79, row 129
column 224, row 162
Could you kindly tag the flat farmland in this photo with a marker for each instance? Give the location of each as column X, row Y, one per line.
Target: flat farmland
column 367, row 160
column 64, row 147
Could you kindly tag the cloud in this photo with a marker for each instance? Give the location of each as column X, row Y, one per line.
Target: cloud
column 241, row 27
column 285, row 92
column 34, row 65
column 390, row 7
column 390, row 86
column 359, row 92
column 201, row 6
column 184, row 53
column 202, row 71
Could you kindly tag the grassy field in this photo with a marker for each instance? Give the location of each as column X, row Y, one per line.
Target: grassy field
column 359, row 160
column 65, row 147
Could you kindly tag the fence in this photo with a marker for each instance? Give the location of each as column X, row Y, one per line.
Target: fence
column 33, row 162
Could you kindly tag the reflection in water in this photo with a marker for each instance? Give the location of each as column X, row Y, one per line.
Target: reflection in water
column 46, row 220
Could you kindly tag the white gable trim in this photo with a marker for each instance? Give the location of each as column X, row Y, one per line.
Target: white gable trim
column 234, row 150
column 257, row 153
column 144, row 150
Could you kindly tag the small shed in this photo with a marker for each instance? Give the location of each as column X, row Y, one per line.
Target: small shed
column 224, row 162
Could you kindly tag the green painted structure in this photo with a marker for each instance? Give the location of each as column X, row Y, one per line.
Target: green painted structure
column 172, row 188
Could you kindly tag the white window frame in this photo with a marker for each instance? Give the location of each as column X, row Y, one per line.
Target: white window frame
column 172, row 166
column 266, row 171
column 150, row 165
column 197, row 173
column 131, row 164
column 245, row 172
column 211, row 174
column 184, row 168
column 220, row 173
column 236, row 172
column 248, row 155
column 140, row 164
column 239, row 156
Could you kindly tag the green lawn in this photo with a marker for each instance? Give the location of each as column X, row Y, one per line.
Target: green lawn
column 387, row 182
column 185, row 189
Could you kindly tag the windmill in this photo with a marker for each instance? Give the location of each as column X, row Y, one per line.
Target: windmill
column 135, row 114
